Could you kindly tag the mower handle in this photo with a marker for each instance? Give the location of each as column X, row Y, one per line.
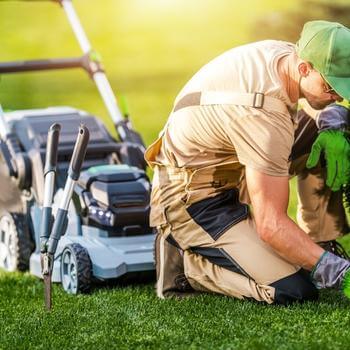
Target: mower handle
column 91, row 63
column 42, row 64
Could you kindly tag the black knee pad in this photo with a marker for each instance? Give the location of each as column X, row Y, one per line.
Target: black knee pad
column 297, row 287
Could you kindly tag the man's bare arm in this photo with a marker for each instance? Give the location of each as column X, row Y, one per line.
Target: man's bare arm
column 269, row 196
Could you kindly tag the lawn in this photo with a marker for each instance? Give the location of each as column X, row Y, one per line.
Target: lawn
column 149, row 49
column 133, row 318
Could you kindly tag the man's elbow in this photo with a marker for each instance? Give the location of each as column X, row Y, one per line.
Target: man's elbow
column 268, row 228
column 265, row 233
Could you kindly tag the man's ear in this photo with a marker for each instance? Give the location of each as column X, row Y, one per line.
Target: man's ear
column 304, row 68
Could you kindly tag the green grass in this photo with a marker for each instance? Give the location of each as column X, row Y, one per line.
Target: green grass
column 133, row 318
column 149, row 48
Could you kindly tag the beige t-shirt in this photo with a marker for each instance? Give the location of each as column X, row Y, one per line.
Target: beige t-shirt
column 201, row 136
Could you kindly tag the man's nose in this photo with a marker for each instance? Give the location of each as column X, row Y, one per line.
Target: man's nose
column 336, row 97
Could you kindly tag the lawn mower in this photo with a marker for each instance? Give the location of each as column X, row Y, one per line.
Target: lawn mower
column 107, row 232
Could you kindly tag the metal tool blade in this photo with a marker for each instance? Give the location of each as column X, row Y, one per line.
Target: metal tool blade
column 46, row 268
column 47, row 291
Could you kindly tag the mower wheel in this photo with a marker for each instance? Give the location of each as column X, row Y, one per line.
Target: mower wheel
column 76, row 269
column 16, row 244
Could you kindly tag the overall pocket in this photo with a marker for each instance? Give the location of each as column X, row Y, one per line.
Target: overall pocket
column 217, row 214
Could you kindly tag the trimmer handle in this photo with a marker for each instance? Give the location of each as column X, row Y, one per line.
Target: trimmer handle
column 52, row 148
column 49, row 185
column 78, row 156
column 61, row 220
column 79, row 153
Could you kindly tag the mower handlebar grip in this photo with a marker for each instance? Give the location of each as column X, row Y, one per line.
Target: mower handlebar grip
column 52, row 147
column 79, row 152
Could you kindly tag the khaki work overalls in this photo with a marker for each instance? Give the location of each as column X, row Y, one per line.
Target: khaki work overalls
column 206, row 230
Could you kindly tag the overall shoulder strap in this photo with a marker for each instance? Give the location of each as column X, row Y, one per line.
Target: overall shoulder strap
column 256, row 100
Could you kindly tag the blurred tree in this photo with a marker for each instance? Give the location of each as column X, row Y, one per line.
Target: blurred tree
column 287, row 25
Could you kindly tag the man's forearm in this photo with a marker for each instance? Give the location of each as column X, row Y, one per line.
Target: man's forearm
column 269, row 196
column 292, row 243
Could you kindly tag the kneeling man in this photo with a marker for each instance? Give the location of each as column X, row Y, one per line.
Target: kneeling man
column 222, row 166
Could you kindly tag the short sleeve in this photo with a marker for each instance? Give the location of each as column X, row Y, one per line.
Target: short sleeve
column 262, row 140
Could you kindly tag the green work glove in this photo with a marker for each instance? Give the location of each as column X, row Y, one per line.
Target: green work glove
column 336, row 148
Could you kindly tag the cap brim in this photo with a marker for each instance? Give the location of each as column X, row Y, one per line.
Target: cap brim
column 341, row 85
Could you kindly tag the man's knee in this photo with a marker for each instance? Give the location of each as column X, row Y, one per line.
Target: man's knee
column 171, row 280
column 296, row 287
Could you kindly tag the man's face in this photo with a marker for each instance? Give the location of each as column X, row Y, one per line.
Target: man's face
column 316, row 90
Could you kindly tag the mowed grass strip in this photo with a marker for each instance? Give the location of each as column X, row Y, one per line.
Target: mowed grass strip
column 133, row 318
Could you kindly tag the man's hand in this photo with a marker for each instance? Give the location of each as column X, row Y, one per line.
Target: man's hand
column 336, row 148
column 331, row 271
column 334, row 117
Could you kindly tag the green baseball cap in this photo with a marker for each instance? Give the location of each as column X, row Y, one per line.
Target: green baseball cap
column 326, row 45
